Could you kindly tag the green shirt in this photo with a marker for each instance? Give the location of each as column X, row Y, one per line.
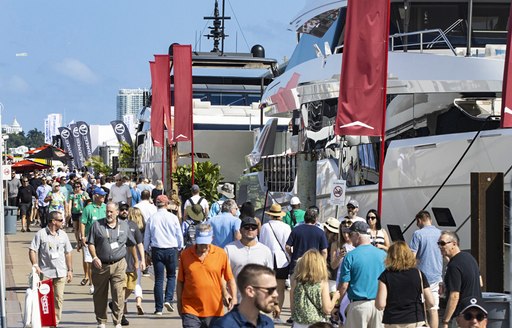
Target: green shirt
column 77, row 201
column 299, row 217
column 91, row 213
column 308, row 303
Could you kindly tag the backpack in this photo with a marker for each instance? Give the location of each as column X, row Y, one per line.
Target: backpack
column 197, row 208
column 190, row 234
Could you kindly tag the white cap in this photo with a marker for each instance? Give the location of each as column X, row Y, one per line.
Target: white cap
column 295, row 201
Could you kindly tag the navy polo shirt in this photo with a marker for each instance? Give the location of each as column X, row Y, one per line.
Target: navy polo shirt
column 235, row 319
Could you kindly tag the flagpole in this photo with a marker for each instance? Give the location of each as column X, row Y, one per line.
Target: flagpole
column 163, row 146
column 192, row 143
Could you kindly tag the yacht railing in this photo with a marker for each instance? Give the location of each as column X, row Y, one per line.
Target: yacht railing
column 441, row 35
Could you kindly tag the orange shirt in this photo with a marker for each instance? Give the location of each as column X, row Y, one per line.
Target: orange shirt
column 202, row 281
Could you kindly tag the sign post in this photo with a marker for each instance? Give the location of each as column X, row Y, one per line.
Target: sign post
column 338, row 190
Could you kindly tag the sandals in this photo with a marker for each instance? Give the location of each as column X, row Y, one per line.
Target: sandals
column 140, row 310
column 84, row 281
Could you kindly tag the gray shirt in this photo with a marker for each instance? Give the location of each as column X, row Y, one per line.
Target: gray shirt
column 12, row 186
column 110, row 243
column 51, row 252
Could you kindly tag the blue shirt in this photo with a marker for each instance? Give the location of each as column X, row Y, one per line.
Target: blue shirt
column 215, row 209
column 430, row 260
column 163, row 231
column 224, row 227
column 362, row 268
column 235, row 319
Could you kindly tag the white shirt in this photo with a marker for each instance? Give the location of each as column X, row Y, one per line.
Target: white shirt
column 163, row 231
column 195, row 199
column 239, row 255
column 146, row 208
column 277, row 245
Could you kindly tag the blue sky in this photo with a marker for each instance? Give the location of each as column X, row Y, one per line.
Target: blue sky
column 72, row 57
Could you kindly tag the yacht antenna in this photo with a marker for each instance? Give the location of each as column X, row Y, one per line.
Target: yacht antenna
column 217, row 30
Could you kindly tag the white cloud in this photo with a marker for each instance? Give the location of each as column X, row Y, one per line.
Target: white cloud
column 17, row 84
column 76, row 70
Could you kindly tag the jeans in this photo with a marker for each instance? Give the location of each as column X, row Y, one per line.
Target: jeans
column 164, row 258
column 191, row 321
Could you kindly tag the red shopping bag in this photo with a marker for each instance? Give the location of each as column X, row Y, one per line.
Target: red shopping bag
column 46, row 303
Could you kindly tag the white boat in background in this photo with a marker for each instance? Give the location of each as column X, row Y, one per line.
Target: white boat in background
column 438, row 99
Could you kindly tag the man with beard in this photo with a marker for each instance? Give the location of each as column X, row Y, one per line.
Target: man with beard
column 108, row 241
column 352, row 210
column 258, row 286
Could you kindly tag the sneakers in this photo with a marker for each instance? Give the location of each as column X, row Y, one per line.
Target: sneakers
column 124, row 321
column 101, row 325
column 145, row 273
column 157, row 313
column 118, row 325
column 169, row 306
column 91, row 290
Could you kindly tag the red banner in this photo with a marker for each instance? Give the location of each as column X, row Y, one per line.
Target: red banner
column 506, row 101
column 157, row 127
column 46, row 303
column 361, row 104
column 183, row 121
column 163, row 80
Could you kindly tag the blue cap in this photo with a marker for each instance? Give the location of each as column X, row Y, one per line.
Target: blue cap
column 99, row 191
column 204, row 237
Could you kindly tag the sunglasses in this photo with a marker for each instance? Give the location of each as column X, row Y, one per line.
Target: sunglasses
column 250, row 227
column 371, row 218
column 444, row 243
column 268, row 290
column 347, row 223
column 468, row 316
column 62, row 220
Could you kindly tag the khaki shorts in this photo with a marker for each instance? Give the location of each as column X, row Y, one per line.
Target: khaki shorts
column 131, row 280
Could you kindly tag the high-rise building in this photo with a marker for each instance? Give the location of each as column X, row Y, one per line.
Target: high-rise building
column 51, row 126
column 129, row 101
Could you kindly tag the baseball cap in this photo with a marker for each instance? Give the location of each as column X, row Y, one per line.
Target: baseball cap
column 162, row 199
column 248, row 221
column 295, row 201
column 194, row 188
column 470, row 302
column 333, row 225
column 99, row 191
column 354, row 203
column 122, row 204
column 360, row 227
column 204, row 237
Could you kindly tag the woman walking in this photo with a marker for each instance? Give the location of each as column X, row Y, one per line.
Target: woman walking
column 311, row 300
column 402, row 288
column 135, row 215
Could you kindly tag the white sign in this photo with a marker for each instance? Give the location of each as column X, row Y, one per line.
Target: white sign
column 338, row 192
column 6, row 172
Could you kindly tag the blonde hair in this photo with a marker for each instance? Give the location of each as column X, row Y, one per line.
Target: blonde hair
column 135, row 215
column 311, row 268
column 175, row 199
column 400, row 257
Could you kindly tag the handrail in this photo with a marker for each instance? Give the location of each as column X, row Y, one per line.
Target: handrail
column 448, row 30
column 421, row 33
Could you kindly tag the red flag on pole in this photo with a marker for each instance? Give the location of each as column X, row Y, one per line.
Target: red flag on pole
column 183, row 122
column 163, row 80
column 361, row 104
column 506, row 101
column 157, row 126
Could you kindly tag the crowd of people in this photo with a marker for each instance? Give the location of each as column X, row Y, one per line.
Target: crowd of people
column 218, row 265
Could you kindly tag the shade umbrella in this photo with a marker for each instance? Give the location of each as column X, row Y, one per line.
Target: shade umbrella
column 28, row 165
column 50, row 153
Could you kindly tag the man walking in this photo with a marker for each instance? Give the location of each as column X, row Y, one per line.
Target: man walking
column 225, row 226
column 296, row 214
column 258, row 286
column 42, row 205
column 226, row 191
column 12, row 189
column 353, row 210
column 24, row 200
column 202, row 269
column 108, row 241
column 145, row 206
column 163, row 239
column 359, row 276
column 430, row 261
column 50, row 255
column 119, row 192
column 196, row 199
column 248, row 249
column 462, row 278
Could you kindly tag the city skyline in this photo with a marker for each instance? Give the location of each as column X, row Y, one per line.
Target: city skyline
column 73, row 58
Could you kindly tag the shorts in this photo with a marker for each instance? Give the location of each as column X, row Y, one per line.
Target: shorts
column 434, row 288
column 25, row 208
column 75, row 217
column 87, row 255
column 281, row 273
column 131, row 280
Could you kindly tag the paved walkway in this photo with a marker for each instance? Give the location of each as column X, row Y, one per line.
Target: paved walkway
column 78, row 304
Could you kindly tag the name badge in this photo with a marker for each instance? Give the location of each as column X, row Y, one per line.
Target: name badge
column 54, row 255
column 114, row 245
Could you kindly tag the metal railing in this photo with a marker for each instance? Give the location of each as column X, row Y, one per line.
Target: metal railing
column 441, row 38
column 279, row 172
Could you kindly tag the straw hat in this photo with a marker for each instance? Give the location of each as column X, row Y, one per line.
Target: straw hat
column 275, row 210
column 333, row 225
